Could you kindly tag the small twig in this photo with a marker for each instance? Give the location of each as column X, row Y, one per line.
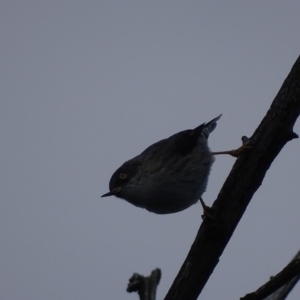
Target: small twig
column 276, row 282
column 145, row 286
column 283, row 292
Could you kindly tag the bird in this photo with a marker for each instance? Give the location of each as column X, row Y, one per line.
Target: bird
column 170, row 175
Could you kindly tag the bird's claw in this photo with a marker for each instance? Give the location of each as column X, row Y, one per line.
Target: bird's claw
column 207, row 211
column 240, row 151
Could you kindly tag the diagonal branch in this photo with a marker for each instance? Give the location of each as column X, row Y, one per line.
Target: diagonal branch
column 291, row 271
column 282, row 293
column 247, row 174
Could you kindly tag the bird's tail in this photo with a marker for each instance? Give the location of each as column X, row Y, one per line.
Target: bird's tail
column 209, row 127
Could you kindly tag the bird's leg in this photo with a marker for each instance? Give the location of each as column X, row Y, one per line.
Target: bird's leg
column 239, row 151
column 236, row 152
column 207, row 211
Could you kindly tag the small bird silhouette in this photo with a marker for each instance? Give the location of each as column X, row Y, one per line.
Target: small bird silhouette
column 170, row 175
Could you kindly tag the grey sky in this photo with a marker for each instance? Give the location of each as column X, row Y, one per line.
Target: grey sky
column 86, row 85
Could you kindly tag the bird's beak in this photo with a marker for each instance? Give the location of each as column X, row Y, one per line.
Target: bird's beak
column 113, row 192
column 108, row 194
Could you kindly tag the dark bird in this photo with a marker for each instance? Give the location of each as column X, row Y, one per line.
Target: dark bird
column 170, row 175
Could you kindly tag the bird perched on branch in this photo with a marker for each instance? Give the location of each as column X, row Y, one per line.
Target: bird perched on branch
column 170, row 175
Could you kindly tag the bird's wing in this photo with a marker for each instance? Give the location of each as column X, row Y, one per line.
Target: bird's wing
column 182, row 142
column 185, row 141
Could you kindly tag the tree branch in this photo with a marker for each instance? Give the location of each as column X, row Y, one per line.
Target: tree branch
column 247, row 174
column 145, row 286
column 276, row 282
column 283, row 292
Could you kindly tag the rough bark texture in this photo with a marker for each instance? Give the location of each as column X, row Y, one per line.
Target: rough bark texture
column 247, row 174
column 276, row 282
column 145, row 286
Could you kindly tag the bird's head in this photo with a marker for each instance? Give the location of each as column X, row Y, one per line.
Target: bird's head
column 121, row 178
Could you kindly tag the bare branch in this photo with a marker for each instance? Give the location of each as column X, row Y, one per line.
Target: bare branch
column 247, row 174
column 145, row 286
column 283, row 292
column 276, row 282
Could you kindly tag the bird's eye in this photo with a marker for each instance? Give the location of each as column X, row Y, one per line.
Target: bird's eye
column 122, row 175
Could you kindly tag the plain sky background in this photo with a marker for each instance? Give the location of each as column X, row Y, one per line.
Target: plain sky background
column 85, row 86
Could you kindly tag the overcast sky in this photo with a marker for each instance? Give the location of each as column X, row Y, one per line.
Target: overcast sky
column 85, row 86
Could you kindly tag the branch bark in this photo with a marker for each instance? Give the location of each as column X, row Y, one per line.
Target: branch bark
column 247, row 174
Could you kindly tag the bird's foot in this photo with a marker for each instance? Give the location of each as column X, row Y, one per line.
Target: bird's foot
column 207, row 211
column 239, row 151
column 236, row 152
